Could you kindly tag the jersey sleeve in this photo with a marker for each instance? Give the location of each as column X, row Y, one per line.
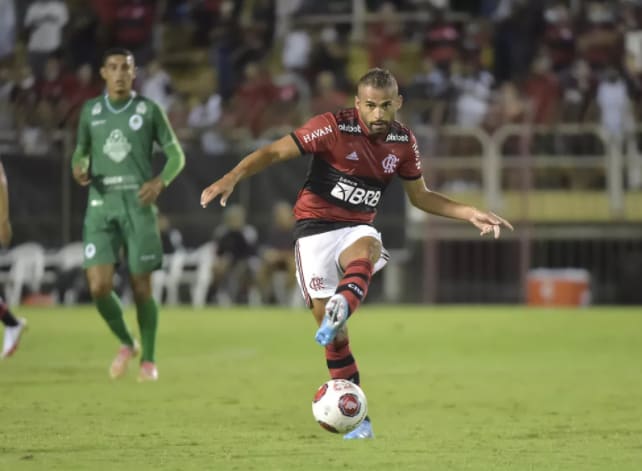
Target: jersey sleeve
column 83, row 139
column 410, row 168
column 319, row 134
column 164, row 135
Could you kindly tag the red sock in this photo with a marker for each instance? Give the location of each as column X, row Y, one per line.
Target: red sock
column 341, row 363
column 6, row 317
column 355, row 281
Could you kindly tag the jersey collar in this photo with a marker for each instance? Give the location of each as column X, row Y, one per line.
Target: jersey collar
column 110, row 105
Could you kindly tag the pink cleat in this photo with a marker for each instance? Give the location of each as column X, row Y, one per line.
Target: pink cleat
column 12, row 337
column 119, row 365
column 147, row 372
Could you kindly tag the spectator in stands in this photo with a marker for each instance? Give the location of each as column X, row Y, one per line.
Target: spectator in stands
column 614, row 104
column 384, row 36
column 577, row 89
column 474, row 86
column 252, row 98
column 204, row 118
column 7, row 29
column 236, row 257
column 442, row 40
column 559, row 36
column 260, row 17
column 297, row 47
column 542, row 89
column 51, row 85
column 133, row 28
column 78, row 89
column 157, row 85
column 600, row 42
column 330, row 51
column 276, row 257
column 327, row 97
column 44, row 21
column 84, row 36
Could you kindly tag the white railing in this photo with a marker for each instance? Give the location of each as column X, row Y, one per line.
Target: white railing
column 619, row 153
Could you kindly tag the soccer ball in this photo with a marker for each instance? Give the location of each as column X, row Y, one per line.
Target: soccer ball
column 339, row 406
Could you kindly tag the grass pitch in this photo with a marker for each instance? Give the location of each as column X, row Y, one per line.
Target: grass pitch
column 450, row 388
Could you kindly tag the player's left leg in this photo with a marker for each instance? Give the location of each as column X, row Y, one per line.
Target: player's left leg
column 13, row 329
column 144, row 255
column 342, row 364
column 147, row 316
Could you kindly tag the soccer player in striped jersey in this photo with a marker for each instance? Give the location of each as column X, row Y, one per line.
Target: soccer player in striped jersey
column 355, row 154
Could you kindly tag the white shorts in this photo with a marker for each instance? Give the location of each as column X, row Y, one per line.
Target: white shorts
column 317, row 259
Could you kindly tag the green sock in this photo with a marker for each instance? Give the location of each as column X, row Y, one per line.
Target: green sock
column 147, row 313
column 110, row 309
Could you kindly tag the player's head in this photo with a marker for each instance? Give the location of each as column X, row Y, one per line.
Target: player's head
column 118, row 70
column 377, row 100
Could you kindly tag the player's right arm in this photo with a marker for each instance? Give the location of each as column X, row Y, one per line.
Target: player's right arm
column 278, row 151
column 80, row 157
column 317, row 134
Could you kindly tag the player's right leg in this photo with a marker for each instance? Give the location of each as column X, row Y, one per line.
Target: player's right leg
column 100, row 279
column 13, row 329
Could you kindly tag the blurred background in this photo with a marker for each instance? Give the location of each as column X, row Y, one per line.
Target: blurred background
column 526, row 107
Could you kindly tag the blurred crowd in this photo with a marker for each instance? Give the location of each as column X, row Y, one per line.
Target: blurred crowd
column 227, row 71
column 231, row 73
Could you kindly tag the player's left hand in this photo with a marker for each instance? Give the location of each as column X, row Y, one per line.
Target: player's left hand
column 488, row 222
column 150, row 190
column 5, row 233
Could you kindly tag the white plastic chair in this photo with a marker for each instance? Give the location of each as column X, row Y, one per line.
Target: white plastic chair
column 168, row 279
column 200, row 278
column 67, row 258
column 27, row 269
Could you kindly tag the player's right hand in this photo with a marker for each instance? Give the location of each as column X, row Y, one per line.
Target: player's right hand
column 222, row 187
column 81, row 175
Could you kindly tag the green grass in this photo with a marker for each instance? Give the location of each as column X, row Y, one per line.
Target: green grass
column 465, row 388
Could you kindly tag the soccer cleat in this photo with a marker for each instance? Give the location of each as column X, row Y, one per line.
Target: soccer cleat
column 148, row 372
column 364, row 430
column 336, row 315
column 119, row 365
column 12, row 337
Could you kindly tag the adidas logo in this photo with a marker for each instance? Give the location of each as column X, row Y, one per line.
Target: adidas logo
column 352, row 156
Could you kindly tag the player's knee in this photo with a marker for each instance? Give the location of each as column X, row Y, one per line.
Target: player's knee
column 141, row 290
column 99, row 287
column 371, row 250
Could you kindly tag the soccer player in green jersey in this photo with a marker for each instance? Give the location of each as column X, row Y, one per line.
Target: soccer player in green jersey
column 113, row 157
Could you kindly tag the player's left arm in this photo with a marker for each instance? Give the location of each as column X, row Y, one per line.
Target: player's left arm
column 435, row 203
column 164, row 135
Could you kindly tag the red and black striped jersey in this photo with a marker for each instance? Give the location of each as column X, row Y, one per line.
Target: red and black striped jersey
column 350, row 169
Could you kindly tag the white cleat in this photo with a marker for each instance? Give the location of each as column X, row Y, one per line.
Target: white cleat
column 12, row 337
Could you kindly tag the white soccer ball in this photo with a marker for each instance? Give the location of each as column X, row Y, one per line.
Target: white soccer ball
column 339, row 406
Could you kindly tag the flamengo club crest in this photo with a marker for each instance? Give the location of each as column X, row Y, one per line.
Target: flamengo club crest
column 389, row 164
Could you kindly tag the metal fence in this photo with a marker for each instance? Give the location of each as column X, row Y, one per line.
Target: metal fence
column 572, row 192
